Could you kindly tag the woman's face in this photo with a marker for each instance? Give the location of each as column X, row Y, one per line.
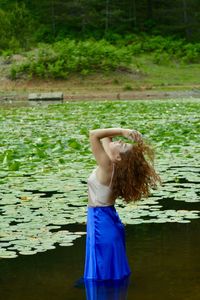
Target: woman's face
column 118, row 147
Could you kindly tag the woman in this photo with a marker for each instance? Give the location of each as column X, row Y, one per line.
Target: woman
column 123, row 171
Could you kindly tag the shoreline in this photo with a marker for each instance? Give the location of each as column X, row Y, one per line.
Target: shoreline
column 15, row 98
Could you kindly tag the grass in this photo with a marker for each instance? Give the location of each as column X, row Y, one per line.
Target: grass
column 169, row 76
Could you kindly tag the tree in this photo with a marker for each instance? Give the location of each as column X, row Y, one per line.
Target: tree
column 57, row 19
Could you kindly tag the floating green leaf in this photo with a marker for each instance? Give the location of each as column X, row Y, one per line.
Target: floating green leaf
column 46, row 158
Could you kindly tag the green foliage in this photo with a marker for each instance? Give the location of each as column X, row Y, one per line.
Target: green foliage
column 70, row 56
column 161, row 58
column 43, row 33
column 164, row 49
column 84, row 57
column 13, row 73
column 22, row 25
column 25, row 23
column 4, row 30
column 191, row 53
column 74, row 144
column 16, row 28
column 45, row 160
column 127, row 87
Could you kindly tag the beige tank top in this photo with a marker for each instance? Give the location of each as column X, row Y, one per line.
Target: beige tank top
column 98, row 193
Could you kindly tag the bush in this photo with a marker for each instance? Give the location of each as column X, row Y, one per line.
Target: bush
column 161, row 58
column 127, row 87
column 70, row 56
column 164, row 49
column 191, row 53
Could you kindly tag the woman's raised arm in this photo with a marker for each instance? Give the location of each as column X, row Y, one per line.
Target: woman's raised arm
column 107, row 132
column 98, row 149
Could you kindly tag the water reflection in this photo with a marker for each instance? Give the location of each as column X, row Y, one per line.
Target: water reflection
column 107, row 290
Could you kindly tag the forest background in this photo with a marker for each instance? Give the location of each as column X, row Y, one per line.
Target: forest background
column 126, row 40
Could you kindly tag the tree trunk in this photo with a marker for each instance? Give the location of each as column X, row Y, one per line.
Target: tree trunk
column 150, row 9
column 107, row 16
column 186, row 19
column 134, row 13
column 53, row 18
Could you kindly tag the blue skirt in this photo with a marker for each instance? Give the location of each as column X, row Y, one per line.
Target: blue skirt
column 105, row 257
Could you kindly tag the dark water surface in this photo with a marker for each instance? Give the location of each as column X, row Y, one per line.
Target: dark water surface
column 164, row 259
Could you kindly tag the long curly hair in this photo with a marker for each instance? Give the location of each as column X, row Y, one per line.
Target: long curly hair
column 134, row 174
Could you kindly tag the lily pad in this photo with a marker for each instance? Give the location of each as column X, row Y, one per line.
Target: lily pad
column 44, row 172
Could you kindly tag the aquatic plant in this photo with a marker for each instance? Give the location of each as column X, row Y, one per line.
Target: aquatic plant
column 45, row 161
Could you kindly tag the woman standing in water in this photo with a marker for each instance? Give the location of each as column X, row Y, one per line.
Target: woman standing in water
column 124, row 170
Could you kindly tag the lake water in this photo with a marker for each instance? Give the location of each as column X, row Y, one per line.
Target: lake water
column 164, row 259
column 45, row 161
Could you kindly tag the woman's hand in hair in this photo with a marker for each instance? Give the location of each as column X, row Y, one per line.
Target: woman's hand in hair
column 133, row 135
